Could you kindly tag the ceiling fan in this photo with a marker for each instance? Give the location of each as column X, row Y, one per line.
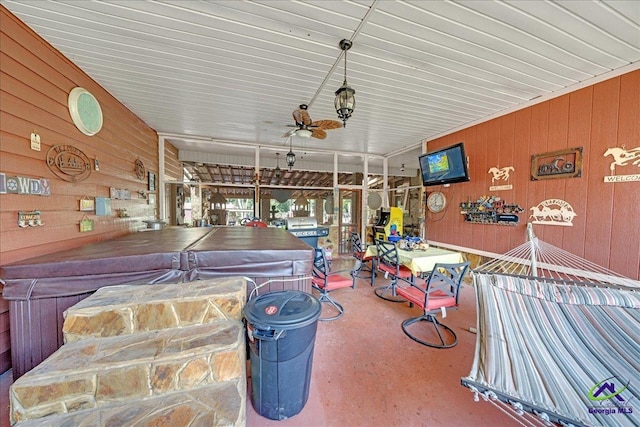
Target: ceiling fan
column 306, row 128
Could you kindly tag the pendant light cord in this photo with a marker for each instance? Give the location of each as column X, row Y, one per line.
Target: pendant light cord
column 357, row 31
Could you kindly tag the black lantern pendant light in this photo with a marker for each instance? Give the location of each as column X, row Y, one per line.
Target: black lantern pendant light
column 291, row 157
column 345, row 101
column 277, row 171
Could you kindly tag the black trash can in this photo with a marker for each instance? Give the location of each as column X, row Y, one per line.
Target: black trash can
column 281, row 327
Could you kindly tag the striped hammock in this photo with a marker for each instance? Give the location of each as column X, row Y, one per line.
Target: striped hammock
column 560, row 343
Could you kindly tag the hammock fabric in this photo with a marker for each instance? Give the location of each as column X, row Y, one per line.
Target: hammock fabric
column 562, row 350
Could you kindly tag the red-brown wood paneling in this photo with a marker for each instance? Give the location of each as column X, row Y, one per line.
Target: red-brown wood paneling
column 555, row 188
column 604, row 130
column 35, row 80
column 578, row 136
column 606, row 230
column 625, row 231
column 521, row 175
column 492, row 152
column 539, row 137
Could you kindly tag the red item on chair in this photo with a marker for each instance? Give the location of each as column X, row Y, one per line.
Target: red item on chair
column 256, row 223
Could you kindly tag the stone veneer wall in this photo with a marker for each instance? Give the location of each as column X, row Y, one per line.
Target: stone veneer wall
column 121, row 310
column 152, row 354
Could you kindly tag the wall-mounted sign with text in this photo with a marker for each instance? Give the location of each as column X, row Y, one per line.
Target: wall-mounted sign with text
column 24, row 185
column 627, row 160
column 500, row 174
column 553, row 212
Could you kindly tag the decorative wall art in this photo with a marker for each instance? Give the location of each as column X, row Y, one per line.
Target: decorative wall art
column 557, row 164
column 627, row 159
column 68, row 163
column 152, row 199
column 24, row 185
column 491, row 210
column 139, row 169
column 87, row 204
column 119, row 193
column 103, row 206
column 500, row 174
column 35, row 141
column 553, row 212
column 86, row 224
column 29, row 219
column 85, row 111
column 152, row 181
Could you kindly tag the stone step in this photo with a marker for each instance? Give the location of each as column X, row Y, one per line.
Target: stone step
column 99, row 372
column 128, row 309
column 221, row 404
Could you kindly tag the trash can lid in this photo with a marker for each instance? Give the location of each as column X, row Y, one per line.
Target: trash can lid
column 283, row 310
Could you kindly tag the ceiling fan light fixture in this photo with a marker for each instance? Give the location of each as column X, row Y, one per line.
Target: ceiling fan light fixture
column 345, row 101
column 304, row 133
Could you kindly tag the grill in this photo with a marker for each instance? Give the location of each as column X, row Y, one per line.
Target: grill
column 306, row 228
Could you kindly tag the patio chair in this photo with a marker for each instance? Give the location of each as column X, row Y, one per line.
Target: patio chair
column 388, row 262
column 326, row 281
column 438, row 293
column 363, row 263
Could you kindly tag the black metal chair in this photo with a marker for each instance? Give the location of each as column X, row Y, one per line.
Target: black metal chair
column 388, row 262
column 438, row 293
column 326, row 281
column 363, row 262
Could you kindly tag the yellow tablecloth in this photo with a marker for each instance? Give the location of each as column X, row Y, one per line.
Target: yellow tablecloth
column 422, row 261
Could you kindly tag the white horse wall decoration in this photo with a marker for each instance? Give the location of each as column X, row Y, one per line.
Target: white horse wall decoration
column 500, row 173
column 622, row 157
column 553, row 212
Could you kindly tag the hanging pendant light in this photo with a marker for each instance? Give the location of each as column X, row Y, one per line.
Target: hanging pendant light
column 345, row 101
column 277, row 171
column 291, row 157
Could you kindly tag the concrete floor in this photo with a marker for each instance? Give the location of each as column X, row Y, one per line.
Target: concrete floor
column 367, row 372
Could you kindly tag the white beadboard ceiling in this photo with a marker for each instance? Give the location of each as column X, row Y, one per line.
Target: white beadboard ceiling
column 233, row 71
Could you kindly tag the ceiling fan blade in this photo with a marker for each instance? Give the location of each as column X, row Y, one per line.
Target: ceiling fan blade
column 326, row 124
column 290, row 133
column 318, row 133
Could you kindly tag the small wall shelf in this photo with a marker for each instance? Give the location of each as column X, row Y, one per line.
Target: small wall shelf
column 491, row 210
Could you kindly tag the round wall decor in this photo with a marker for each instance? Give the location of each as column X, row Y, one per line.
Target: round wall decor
column 68, row 163
column 436, row 202
column 374, row 201
column 141, row 173
column 85, row 111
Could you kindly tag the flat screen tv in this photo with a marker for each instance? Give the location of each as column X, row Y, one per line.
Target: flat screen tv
column 444, row 166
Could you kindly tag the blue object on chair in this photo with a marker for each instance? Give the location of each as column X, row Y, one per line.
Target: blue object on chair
column 439, row 292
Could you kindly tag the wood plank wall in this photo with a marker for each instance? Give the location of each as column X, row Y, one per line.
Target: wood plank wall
column 606, row 230
column 35, row 80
